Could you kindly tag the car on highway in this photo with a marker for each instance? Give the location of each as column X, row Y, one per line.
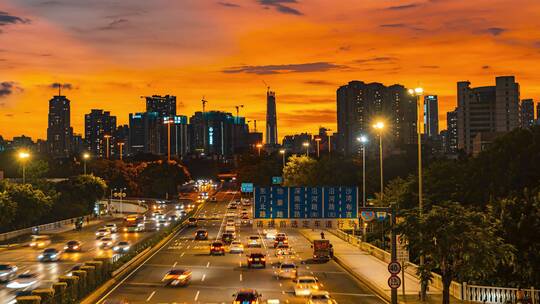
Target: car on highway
column 149, row 226
column 287, row 270
column 49, row 255
column 134, row 228
column 173, row 218
column 230, row 214
column 285, row 254
column 254, row 241
column 192, row 222
column 305, row 285
column 177, row 277
column 121, row 247
column 40, row 241
column 256, row 259
column 7, row 272
column 231, row 222
column 217, row 248
column 227, row 237
column 103, row 232
column 201, row 234
column 73, row 246
column 179, row 207
column 106, row 243
column 230, row 228
column 280, row 240
column 213, row 199
column 112, row 227
column 236, row 247
column 321, row 297
column 162, row 223
column 24, row 281
column 250, row 296
column 270, row 233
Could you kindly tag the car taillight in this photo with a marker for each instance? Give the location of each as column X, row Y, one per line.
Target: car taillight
column 250, row 259
column 263, row 259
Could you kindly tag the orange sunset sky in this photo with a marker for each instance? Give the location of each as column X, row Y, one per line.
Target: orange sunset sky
column 108, row 53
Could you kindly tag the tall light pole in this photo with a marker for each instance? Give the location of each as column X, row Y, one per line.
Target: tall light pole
column 306, row 144
column 259, row 146
column 85, row 157
column 380, row 126
column 417, row 93
column 282, row 152
column 363, row 140
column 23, row 156
column 121, row 145
column 168, row 122
column 318, row 140
column 107, row 137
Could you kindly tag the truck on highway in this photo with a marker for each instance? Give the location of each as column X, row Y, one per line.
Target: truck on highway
column 321, row 250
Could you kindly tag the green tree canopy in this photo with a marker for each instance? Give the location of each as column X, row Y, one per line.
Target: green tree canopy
column 300, row 171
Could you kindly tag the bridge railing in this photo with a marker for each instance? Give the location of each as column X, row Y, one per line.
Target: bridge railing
column 490, row 294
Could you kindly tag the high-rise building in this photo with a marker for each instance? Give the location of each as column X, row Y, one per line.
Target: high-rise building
column 179, row 135
column 431, row 116
column 486, row 109
column 527, row 113
column 360, row 104
column 59, row 130
column 163, row 105
column 97, row 125
column 224, row 133
column 294, row 144
column 271, row 119
column 144, row 133
column 452, row 129
column 121, row 136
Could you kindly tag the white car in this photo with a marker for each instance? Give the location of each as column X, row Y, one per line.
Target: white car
column 121, row 247
column 321, row 297
column 287, row 271
column 270, row 233
column 305, row 285
column 106, row 243
column 230, row 229
column 112, row 227
column 230, row 214
column 103, row 232
column 24, row 281
column 254, row 241
column 236, row 247
column 7, row 272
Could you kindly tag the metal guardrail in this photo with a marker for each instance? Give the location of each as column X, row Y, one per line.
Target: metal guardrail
column 42, row 228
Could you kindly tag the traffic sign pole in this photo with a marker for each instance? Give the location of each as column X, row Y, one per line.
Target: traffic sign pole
column 393, row 292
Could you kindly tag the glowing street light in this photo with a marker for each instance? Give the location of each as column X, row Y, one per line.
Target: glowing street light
column 259, row 146
column 23, row 156
column 282, row 152
column 379, row 125
column 363, row 140
column 306, row 144
column 107, row 137
column 318, row 140
column 85, row 157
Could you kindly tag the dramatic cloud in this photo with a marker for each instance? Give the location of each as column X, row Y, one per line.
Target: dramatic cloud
column 320, row 82
column 485, row 67
column 495, row 31
column 376, row 59
column 284, row 68
column 280, row 6
column 115, row 24
column 57, row 85
column 228, row 4
column 322, row 116
column 8, row 87
column 6, row 19
column 403, row 7
column 393, row 25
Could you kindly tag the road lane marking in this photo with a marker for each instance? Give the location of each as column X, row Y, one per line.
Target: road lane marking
column 203, row 277
column 207, row 264
column 197, row 295
column 174, row 265
column 182, row 254
column 150, row 296
column 240, row 277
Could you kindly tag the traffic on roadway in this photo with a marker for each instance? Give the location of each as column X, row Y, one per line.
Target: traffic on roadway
column 218, row 257
column 46, row 257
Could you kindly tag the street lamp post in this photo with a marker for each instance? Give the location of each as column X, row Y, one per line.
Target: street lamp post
column 363, row 140
column 306, row 144
column 282, row 151
column 168, row 122
column 318, row 140
column 23, row 156
column 417, row 93
column 107, row 137
column 259, row 146
column 85, row 157
column 380, row 126
column 121, row 145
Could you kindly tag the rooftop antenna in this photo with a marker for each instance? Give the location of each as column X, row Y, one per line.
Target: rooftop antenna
column 267, row 86
column 59, row 89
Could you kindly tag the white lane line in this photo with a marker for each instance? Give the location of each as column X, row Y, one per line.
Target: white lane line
column 203, row 277
column 240, row 277
column 240, row 264
column 182, row 254
column 197, row 295
column 207, row 264
column 174, row 265
column 150, row 296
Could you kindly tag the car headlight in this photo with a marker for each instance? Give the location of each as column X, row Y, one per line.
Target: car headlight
column 40, row 256
column 115, row 248
column 53, row 256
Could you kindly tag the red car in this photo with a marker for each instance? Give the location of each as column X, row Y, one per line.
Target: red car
column 217, row 248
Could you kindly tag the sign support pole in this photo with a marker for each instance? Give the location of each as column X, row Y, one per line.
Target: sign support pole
column 394, row 293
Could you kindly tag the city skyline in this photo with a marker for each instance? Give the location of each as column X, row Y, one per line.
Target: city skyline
column 108, row 57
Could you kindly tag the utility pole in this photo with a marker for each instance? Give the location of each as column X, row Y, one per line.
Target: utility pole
column 107, row 136
column 204, row 122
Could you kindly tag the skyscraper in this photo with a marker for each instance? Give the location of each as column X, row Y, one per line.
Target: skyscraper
column 486, row 109
column 179, row 135
column 163, row 105
column 359, row 104
column 271, row 119
column 431, row 115
column 97, row 124
column 527, row 113
column 144, row 133
column 59, row 130
column 452, row 129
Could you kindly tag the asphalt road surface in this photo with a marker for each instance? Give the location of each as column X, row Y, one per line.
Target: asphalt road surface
column 25, row 258
column 216, row 278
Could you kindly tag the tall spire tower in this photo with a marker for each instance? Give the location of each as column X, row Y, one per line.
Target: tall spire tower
column 271, row 118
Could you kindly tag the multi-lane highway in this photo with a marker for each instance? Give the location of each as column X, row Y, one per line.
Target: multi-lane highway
column 25, row 258
column 216, row 278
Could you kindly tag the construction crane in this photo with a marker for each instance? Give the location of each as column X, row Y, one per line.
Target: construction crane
column 238, row 111
column 266, row 84
column 204, row 101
